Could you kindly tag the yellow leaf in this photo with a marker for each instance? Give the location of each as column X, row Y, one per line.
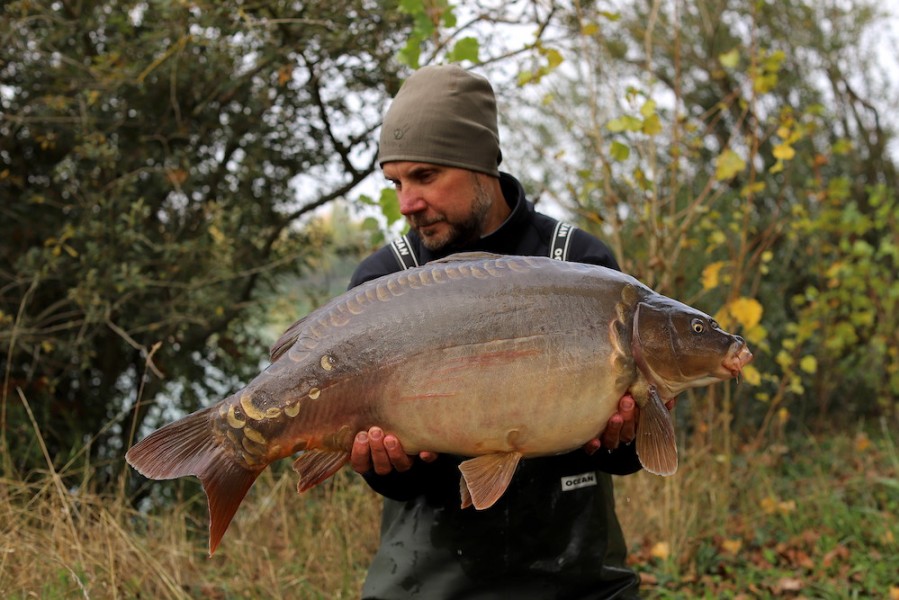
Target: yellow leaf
column 652, row 125
column 661, row 550
column 769, row 505
column 710, row 275
column 862, row 442
column 784, row 151
column 216, row 234
column 787, row 506
column 747, row 311
column 756, row 335
column 732, row 546
column 728, row 165
column 730, row 59
column 756, row 188
column 751, row 375
column 809, row 364
column 717, row 238
column 783, row 415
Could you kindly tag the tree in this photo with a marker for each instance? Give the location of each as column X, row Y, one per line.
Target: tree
column 155, row 159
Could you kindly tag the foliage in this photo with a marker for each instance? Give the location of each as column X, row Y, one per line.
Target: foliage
column 155, row 159
column 735, row 164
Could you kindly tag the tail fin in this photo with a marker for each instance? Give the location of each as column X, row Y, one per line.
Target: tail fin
column 187, row 447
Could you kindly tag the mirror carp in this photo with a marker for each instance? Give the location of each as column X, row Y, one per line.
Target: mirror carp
column 496, row 358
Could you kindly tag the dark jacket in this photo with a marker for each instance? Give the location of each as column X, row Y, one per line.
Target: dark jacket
column 553, row 534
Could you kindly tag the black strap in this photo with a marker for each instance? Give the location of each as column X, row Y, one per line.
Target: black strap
column 402, row 251
column 405, row 256
column 561, row 240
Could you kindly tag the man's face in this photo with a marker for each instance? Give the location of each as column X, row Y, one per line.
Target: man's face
column 447, row 207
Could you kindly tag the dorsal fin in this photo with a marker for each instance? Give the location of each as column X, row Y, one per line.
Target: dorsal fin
column 287, row 339
column 465, row 256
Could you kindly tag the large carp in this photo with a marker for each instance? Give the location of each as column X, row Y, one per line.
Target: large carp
column 484, row 356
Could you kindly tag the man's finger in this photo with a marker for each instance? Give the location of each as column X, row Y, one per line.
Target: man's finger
column 360, row 456
column 592, row 446
column 611, row 436
column 379, row 459
column 398, row 457
column 627, row 408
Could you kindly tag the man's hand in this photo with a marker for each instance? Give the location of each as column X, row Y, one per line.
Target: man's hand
column 622, row 426
column 373, row 449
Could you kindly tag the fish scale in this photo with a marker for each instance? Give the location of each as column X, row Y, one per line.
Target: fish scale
column 494, row 358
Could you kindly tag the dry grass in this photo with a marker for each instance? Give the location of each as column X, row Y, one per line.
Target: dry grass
column 723, row 525
column 55, row 544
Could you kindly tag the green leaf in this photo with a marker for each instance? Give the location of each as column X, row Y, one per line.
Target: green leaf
column 809, row 364
column 652, row 125
column 619, row 151
column 390, row 206
column 448, row 17
column 625, row 123
column 410, row 53
column 553, row 57
column 410, row 7
column 465, row 49
column 648, row 109
column 524, row 78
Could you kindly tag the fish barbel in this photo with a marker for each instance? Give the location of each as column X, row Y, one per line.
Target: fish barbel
column 490, row 357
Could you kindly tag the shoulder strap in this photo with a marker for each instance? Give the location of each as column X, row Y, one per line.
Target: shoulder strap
column 402, row 251
column 558, row 250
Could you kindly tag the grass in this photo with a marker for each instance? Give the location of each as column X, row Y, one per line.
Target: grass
column 808, row 516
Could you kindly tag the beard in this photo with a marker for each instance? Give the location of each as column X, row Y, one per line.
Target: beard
column 456, row 235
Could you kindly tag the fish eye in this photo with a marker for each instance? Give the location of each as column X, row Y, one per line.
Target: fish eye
column 697, row 326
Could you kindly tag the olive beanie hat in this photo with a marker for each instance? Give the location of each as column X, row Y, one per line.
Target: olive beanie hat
column 443, row 115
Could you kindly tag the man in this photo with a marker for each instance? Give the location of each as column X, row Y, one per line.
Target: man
column 554, row 533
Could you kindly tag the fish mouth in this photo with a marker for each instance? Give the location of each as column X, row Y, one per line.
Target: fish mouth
column 738, row 356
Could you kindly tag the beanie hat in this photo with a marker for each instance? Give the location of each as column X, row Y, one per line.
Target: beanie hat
column 443, row 115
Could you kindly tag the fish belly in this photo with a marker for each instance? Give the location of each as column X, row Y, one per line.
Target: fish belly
column 523, row 395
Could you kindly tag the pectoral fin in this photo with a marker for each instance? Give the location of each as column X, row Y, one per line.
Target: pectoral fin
column 487, row 477
column 464, row 493
column 656, row 445
column 314, row 466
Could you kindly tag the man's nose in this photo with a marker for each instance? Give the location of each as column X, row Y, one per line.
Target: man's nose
column 411, row 201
